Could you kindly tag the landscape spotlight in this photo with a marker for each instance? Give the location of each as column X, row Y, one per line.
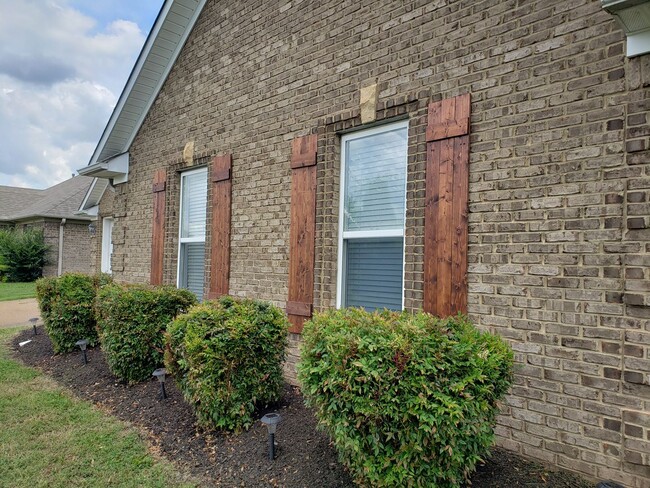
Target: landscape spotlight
column 160, row 375
column 83, row 344
column 271, row 420
column 33, row 321
column 609, row 484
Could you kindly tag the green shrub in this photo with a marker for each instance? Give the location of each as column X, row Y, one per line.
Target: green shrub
column 226, row 357
column 409, row 399
column 67, row 308
column 132, row 322
column 23, row 254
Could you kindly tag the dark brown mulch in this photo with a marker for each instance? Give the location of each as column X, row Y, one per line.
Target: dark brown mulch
column 305, row 458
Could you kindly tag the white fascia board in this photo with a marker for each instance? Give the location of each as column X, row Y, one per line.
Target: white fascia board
column 138, row 71
column 133, row 77
column 634, row 18
column 82, row 208
column 638, row 43
column 116, row 169
column 165, row 73
column 90, row 212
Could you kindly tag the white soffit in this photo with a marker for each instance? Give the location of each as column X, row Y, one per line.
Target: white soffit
column 163, row 45
column 94, row 195
column 634, row 18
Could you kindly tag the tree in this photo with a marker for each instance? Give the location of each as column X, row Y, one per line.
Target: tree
column 23, row 253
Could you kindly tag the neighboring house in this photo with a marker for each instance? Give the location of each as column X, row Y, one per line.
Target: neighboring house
column 55, row 212
column 489, row 157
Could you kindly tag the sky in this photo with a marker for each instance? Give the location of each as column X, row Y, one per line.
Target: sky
column 63, row 65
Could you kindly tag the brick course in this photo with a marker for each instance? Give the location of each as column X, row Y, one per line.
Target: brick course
column 559, row 183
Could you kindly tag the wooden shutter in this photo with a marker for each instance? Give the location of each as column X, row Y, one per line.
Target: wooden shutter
column 158, row 233
column 446, row 207
column 220, row 226
column 303, row 231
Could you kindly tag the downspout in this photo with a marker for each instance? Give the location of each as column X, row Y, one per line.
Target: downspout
column 60, row 267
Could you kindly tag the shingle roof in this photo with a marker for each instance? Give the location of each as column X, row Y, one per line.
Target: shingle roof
column 58, row 201
column 14, row 200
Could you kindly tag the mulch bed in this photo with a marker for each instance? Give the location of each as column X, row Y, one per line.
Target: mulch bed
column 305, row 457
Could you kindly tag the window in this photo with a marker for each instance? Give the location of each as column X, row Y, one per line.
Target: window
column 191, row 250
column 371, row 220
column 107, row 244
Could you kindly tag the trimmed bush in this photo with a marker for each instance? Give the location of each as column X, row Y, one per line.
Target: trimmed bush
column 23, row 253
column 67, row 308
column 226, row 357
column 132, row 322
column 408, row 399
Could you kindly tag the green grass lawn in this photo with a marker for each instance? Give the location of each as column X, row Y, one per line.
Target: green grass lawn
column 49, row 438
column 16, row 291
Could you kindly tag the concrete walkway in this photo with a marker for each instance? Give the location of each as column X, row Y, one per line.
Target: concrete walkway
column 18, row 312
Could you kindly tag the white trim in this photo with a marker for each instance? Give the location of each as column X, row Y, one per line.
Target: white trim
column 85, row 200
column 344, row 235
column 369, row 234
column 638, row 43
column 107, row 245
column 135, row 78
column 116, row 168
column 634, row 18
column 168, row 68
column 184, row 240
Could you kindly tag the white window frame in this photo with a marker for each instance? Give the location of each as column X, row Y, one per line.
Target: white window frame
column 184, row 240
column 361, row 234
column 107, row 245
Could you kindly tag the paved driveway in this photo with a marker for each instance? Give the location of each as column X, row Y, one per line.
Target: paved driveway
column 18, row 312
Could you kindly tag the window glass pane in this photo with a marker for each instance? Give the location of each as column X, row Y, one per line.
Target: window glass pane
column 374, row 273
column 191, row 267
column 375, row 177
column 195, row 194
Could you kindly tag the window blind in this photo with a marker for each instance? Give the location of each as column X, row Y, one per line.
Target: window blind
column 374, row 269
column 195, row 194
column 192, row 264
column 375, row 174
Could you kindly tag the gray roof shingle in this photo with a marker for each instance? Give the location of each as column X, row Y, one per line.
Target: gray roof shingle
column 58, row 201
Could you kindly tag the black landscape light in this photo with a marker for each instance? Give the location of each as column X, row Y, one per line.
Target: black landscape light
column 609, row 484
column 33, row 321
column 271, row 420
column 83, row 344
column 160, row 376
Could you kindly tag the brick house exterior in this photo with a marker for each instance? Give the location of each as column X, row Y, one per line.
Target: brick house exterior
column 559, row 183
column 54, row 211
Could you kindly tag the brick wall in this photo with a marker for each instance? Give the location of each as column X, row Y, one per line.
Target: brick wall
column 559, row 183
column 77, row 246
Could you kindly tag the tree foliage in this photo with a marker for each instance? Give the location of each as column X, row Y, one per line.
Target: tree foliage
column 408, row 399
column 226, row 357
column 23, row 254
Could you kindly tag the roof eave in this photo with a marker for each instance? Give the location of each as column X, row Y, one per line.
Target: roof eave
column 116, row 169
column 634, row 18
column 122, row 144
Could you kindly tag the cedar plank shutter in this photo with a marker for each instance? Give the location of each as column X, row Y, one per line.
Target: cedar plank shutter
column 220, row 226
column 158, row 232
column 302, row 239
column 446, row 207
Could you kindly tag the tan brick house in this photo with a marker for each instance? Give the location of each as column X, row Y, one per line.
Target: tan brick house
column 54, row 211
column 489, row 156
